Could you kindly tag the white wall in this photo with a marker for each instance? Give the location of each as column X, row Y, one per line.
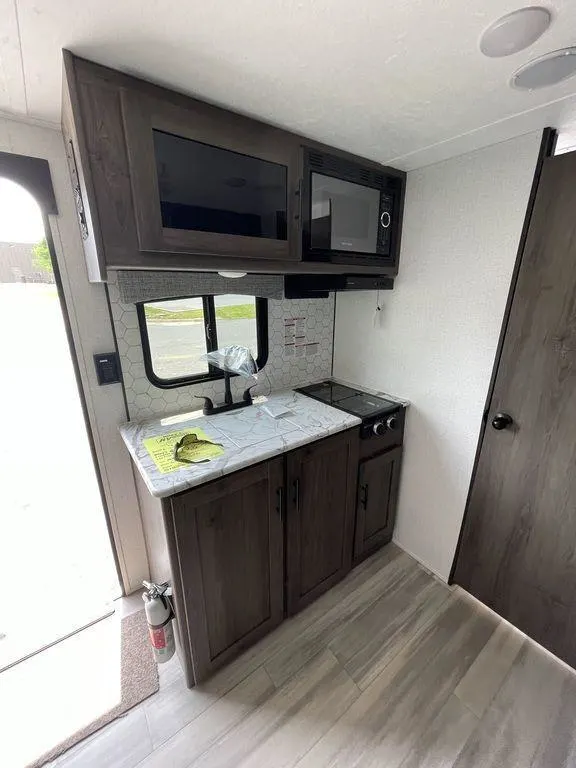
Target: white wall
column 92, row 332
column 437, row 335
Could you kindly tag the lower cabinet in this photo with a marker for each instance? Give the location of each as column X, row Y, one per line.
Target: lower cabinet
column 320, row 507
column 378, row 482
column 226, row 545
column 265, row 541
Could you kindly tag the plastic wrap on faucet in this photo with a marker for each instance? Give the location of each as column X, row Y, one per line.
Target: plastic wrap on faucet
column 234, row 359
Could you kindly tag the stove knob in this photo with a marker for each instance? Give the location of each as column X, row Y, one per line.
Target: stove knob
column 379, row 428
column 392, row 422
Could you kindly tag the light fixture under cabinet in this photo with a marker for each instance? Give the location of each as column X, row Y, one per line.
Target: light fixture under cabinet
column 547, row 70
column 515, row 31
column 232, row 275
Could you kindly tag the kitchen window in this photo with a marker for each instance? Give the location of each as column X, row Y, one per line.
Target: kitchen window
column 177, row 333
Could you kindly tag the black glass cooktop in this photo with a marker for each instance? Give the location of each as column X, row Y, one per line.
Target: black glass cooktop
column 350, row 400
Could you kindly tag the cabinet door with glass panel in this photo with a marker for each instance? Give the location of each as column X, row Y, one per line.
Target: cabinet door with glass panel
column 177, row 334
column 208, row 181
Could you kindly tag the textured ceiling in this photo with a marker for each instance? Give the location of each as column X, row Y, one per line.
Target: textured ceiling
column 394, row 81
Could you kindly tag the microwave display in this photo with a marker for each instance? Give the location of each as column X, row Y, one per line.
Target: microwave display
column 210, row 189
column 344, row 216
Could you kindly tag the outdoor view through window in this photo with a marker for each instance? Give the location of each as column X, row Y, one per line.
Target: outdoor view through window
column 181, row 331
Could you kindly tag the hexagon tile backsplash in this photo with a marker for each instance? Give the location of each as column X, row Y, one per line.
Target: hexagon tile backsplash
column 282, row 371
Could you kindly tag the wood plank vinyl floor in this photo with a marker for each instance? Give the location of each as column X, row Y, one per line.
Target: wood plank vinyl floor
column 389, row 669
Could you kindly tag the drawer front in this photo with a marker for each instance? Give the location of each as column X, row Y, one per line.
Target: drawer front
column 375, row 444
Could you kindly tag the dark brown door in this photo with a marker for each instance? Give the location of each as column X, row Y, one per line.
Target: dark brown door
column 518, row 547
column 378, row 481
column 321, row 488
column 228, row 537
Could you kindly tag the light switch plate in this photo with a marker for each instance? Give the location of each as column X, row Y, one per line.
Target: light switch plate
column 107, row 368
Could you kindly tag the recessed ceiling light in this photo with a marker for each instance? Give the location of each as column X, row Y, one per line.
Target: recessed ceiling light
column 546, row 70
column 515, row 31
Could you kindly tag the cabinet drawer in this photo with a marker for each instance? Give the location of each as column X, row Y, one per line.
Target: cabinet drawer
column 377, row 444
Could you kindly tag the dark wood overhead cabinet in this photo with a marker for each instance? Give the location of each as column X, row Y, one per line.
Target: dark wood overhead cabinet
column 207, row 181
column 165, row 181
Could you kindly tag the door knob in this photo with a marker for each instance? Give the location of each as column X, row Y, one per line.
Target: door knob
column 502, row 420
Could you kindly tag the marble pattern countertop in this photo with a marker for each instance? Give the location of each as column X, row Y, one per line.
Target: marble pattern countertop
column 248, row 436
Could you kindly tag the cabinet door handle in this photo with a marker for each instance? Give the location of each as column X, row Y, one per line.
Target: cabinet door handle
column 364, row 495
column 280, row 502
column 296, row 494
column 299, row 192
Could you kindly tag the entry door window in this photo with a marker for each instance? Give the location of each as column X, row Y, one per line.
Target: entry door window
column 54, row 543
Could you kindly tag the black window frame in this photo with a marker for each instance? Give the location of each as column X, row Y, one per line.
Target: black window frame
column 211, row 338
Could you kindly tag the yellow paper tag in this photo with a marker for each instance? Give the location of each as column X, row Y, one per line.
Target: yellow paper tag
column 161, row 449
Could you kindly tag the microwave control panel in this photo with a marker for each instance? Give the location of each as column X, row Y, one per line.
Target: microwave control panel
column 385, row 223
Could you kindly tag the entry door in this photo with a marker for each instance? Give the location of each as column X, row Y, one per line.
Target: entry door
column 518, row 547
column 54, row 542
column 91, row 331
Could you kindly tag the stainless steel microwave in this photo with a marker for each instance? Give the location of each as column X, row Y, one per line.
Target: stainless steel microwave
column 351, row 212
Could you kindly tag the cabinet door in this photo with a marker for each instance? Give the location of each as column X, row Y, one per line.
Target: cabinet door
column 378, row 481
column 227, row 540
column 208, row 181
column 321, row 488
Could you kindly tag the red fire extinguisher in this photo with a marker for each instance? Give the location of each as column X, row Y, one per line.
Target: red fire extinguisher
column 159, row 615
